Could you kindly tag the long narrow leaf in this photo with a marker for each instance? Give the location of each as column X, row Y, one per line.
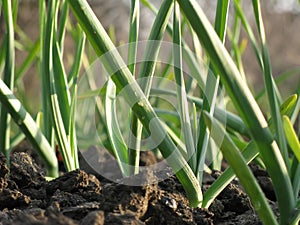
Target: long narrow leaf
column 9, row 73
column 227, row 118
column 249, row 153
column 221, row 18
column 245, row 104
column 52, row 98
column 133, row 34
column 135, row 127
column 291, row 136
column 211, row 89
column 243, row 172
column 296, row 112
column 152, row 48
column 271, row 86
column 281, row 78
column 32, row 56
column 288, row 106
column 296, row 180
column 28, row 126
column 135, row 96
column 209, row 102
column 249, row 31
column 62, row 24
column 61, row 86
column 2, row 53
column 46, row 52
column 188, row 55
column 147, row 71
column 74, row 76
column 181, row 92
column 114, row 133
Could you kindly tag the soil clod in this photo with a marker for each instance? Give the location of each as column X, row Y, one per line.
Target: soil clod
column 78, row 197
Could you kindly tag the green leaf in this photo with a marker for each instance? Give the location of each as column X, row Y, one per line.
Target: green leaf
column 147, row 72
column 9, row 74
column 211, row 89
column 287, row 107
column 248, row 29
column 281, row 78
column 133, row 34
column 249, row 153
column 115, row 136
column 227, row 118
column 245, row 103
column 56, row 90
column 273, row 97
column 30, row 129
column 29, row 60
column 74, row 76
column 181, row 92
column 62, row 24
column 221, row 18
column 291, row 136
column 243, row 172
column 122, row 77
column 61, row 87
column 135, row 126
column 46, row 37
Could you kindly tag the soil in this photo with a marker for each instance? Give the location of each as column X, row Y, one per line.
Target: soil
column 80, row 197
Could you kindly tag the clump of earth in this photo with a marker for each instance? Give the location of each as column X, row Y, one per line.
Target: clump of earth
column 81, row 197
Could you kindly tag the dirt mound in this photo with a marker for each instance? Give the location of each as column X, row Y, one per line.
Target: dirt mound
column 80, row 198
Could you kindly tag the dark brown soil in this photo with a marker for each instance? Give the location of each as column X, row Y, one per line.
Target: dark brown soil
column 78, row 197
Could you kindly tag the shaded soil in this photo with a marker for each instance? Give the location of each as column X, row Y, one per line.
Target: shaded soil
column 79, row 197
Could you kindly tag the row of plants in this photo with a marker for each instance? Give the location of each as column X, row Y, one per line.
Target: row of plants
column 206, row 76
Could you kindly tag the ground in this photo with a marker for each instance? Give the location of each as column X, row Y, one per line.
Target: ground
column 80, row 197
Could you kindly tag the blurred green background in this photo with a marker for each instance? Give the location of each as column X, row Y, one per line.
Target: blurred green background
column 281, row 18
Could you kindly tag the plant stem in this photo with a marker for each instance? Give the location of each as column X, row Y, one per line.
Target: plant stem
column 135, row 126
column 146, row 73
column 9, row 72
column 181, row 92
